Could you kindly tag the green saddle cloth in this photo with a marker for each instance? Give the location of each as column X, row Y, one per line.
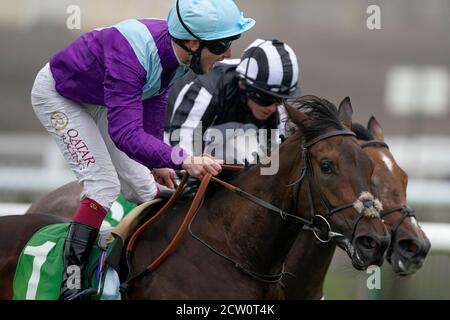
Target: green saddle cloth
column 40, row 267
column 120, row 208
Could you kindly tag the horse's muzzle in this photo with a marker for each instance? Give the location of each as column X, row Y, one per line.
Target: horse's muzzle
column 408, row 255
column 371, row 248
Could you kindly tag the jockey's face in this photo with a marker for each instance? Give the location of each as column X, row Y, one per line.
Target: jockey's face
column 208, row 59
column 261, row 112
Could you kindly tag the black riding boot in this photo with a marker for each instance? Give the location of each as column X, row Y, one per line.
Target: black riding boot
column 77, row 248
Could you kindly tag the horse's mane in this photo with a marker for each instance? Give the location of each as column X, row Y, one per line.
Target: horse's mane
column 324, row 115
column 362, row 132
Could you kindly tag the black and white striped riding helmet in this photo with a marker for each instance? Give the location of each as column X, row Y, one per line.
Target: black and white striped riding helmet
column 270, row 66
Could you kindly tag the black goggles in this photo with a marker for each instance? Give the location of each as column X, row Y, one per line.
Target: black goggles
column 220, row 46
column 262, row 98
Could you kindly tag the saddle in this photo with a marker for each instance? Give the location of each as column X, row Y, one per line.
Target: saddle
column 46, row 247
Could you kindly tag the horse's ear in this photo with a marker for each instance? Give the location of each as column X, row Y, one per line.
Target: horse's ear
column 375, row 129
column 296, row 116
column 346, row 113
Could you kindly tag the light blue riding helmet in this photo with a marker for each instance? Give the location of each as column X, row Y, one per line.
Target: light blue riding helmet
column 207, row 20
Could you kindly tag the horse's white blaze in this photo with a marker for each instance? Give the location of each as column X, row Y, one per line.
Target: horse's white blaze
column 40, row 255
column 387, row 162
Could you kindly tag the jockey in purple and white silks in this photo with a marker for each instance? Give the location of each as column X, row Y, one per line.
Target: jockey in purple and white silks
column 103, row 99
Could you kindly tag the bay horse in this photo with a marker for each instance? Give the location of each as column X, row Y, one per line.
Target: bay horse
column 63, row 201
column 409, row 244
column 243, row 245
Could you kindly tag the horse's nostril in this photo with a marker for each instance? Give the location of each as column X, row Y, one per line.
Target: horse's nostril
column 413, row 247
column 409, row 246
column 367, row 243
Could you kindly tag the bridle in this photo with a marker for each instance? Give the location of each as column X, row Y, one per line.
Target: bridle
column 306, row 170
column 404, row 210
column 316, row 224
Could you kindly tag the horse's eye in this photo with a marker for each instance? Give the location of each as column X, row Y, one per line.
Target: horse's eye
column 326, row 166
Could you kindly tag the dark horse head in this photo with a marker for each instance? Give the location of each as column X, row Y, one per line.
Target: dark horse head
column 339, row 196
column 409, row 244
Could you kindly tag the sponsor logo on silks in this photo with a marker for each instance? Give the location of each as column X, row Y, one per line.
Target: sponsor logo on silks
column 59, row 120
column 77, row 148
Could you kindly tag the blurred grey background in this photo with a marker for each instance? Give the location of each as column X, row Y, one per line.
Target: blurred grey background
column 399, row 73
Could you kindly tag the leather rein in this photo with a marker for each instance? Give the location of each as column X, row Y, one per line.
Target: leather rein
column 316, row 224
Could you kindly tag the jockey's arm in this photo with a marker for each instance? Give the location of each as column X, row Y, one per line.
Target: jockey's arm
column 127, row 114
column 127, row 132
